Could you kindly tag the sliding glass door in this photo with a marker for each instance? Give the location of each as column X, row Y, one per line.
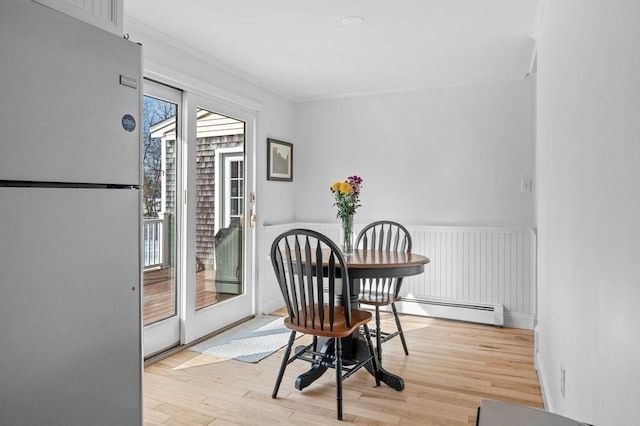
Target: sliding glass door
column 198, row 242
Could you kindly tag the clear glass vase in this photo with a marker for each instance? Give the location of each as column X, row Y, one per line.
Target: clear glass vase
column 347, row 234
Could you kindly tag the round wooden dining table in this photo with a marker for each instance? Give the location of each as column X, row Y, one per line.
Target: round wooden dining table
column 364, row 264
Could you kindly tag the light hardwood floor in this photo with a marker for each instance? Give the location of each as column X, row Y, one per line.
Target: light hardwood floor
column 451, row 367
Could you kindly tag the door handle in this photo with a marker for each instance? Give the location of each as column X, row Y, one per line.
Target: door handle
column 252, row 216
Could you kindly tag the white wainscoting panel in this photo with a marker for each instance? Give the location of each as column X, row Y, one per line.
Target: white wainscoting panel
column 486, row 266
column 470, row 268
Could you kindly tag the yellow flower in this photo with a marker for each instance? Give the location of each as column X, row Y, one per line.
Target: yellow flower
column 345, row 188
column 336, row 186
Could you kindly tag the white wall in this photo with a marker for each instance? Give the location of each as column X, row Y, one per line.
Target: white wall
column 588, row 152
column 450, row 156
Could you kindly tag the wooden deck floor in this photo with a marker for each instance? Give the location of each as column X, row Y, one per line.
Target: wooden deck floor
column 159, row 293
column 451, row 367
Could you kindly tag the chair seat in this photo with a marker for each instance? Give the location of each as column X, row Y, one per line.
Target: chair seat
column 340, row 329
column 377, row 299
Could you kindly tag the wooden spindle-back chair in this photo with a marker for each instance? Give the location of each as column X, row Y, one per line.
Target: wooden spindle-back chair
column 383, row 235
column 314, row 280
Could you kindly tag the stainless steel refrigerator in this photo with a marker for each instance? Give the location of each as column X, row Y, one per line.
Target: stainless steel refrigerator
column 70, row 310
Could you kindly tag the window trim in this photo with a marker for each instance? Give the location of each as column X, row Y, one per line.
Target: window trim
column 221, row 156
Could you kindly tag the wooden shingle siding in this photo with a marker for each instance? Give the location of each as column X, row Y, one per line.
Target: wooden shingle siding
column 206, row 194
column 170, row 201
column 214, row 131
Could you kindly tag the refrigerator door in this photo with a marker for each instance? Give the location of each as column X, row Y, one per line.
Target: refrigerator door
column 66, row 114
column 70, row 333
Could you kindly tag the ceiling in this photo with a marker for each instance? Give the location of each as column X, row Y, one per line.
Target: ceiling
column 302, row 50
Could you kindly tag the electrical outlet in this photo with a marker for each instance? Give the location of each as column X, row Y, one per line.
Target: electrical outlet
column 525, row 185
column 563, row 376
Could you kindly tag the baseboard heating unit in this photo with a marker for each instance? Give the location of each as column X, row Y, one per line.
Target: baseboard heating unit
column 492, row 314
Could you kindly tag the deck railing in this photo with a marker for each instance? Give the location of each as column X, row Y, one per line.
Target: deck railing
column 153, row 243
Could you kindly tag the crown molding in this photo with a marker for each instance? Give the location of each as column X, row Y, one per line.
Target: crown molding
column 196, row 53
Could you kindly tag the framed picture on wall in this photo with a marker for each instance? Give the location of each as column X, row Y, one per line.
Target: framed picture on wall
column 279, row 160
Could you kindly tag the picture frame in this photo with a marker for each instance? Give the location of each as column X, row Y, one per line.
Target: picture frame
column 279, row 160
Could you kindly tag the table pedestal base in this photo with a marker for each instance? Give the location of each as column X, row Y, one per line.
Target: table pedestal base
column 360, row 351
column 389, row 379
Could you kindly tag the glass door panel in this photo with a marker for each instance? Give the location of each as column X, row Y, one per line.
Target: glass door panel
column 159, row 202
column 160, row 301
column 219, row 189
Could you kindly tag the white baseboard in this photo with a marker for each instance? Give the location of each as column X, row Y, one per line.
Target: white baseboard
column 546, row 400
column 271, row 305
column 523, row 321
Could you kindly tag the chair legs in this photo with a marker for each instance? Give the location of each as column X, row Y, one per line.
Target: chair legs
column 378, row 332
column 378, row 335
column 338, row 367
column 285, row 361
column 374, row 358
column 338, row 346
column 395, row 315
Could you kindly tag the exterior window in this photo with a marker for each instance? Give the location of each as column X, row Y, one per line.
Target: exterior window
column 234, row 188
